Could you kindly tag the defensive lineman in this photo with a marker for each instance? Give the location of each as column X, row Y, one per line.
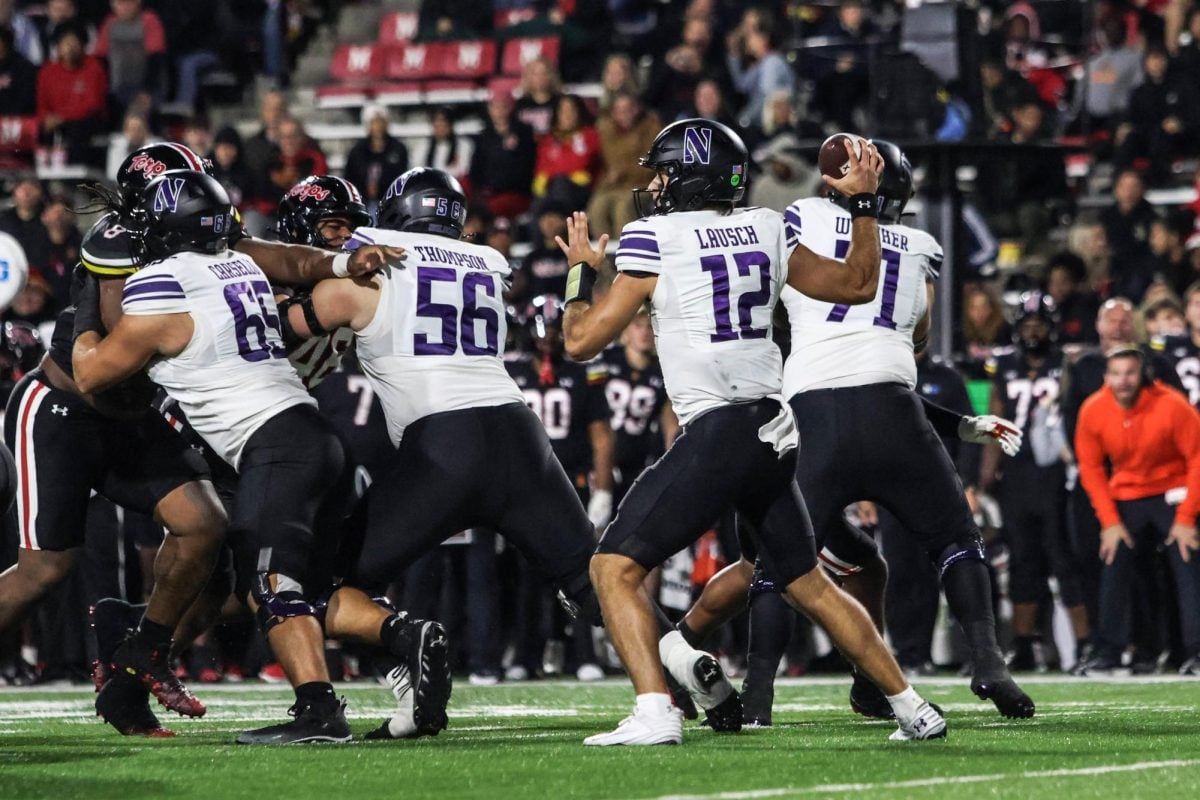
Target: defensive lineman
column 712, row 275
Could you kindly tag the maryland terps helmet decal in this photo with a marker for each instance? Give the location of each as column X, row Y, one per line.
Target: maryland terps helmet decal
column 308, row 191
column 147, row 165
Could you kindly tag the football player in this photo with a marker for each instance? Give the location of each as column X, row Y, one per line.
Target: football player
column 204, row 322
column 642, row 417
column 712, row 275
column 1031, row 488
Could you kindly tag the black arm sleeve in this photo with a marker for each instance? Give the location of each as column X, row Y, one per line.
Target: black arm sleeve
column 944, row 421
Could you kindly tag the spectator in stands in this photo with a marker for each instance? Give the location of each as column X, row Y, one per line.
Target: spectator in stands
column 1137, row 444
column 1162, row 121
column 626, row 134
column 1017, row 190
column 568, row 157
column 984, row 328
column 65, row 240
column 229, row 168
column 1003, row 90
column 1075, row 305
column 34, row 303
column 544, row 268
column 258, row 148
column 374, row 162
column 786, row 174
column 59, row 13
column 444, row 149
column 71, row 94
column 1164, row 317
column 294, row 159
column 195, row 37
column 24, row 222
column 26, row 39
column 1127, row 231
column 133, row 43
column 135, row 133
column 780, row 117
column 454, row 19
column 502, row 164
column 1187, row 57
column 198, row 136
column 1022, row 32
column 755, row 63
column 617, row 77
column 539, row 95
column 1168, row 257
column 708, row 102
column 18, row 79
column 1111, row 75
column 673, row 80
column 843, row 87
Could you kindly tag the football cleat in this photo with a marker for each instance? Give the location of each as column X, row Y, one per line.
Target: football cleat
column 309, row 725
column 643, row 729
column 756, row 704
column 927, row 723
column 272, row 673
column 110, row 620
column 149, row 667
column 702, row 676
column 680, row 697
column 869, row 700
column 402, row 725
column 421, row 683
column 589, row 673
column 122, row 703
column 997, row 685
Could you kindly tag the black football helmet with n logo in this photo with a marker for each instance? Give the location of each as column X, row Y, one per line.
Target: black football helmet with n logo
column 182, row 211
column 701, row 162
column 424, row 200
column 317, row 198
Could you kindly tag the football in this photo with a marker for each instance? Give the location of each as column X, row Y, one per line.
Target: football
column 833, row 160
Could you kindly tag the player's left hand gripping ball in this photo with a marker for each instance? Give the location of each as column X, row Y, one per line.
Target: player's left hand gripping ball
column 990, row 429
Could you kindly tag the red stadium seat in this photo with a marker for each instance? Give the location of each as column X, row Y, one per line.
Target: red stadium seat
column 413, row 62
column 399, row 27
column 519, row 52
column 468, row 60
column 18, row 134
column 356, row 63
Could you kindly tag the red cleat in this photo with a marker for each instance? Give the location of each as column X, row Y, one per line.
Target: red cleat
column 150, row 669
column 122, row 704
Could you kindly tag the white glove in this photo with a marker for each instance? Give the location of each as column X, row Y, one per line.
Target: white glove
column 600, row 507
column 990, row 429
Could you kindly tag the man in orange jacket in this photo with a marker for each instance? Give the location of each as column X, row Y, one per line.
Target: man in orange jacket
column 1150, row 436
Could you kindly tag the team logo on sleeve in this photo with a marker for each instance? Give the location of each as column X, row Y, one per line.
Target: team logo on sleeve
column 167, row 197
column 697, row 145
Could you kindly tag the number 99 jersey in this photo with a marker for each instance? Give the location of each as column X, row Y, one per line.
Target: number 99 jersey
column 719, row 278
column 838, row 345
column 234, row 374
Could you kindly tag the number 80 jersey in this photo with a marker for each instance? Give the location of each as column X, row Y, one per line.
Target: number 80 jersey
column 234, row 374
column 839, row 345
column 719, row 278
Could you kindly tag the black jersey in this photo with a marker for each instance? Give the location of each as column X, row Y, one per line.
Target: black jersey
column 347, row 400
column 635, row 398
column 1023, row 388
column 567, row 397
column 1182, row 354
column 940, row 383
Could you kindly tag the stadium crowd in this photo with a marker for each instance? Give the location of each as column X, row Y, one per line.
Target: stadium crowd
column 1080, row 239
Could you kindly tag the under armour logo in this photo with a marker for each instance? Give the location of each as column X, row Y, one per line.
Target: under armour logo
column 864, row 203
column 60, row 410
column 920, row 725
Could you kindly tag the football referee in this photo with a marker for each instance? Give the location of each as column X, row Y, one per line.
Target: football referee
column 1150, row 436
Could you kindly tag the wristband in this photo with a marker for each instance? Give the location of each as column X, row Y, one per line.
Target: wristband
column 341, row 265
column 581, row 280
column 863, row 205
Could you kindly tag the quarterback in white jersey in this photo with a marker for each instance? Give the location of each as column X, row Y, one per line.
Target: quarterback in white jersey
column 203, row 321
column 712, row 276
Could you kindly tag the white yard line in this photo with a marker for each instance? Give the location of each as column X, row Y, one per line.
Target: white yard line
column 844, row 788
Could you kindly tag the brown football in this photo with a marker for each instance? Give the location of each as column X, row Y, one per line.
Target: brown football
column 833, row 160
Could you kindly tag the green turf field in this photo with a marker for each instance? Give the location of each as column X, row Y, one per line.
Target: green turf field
column 1123, row 738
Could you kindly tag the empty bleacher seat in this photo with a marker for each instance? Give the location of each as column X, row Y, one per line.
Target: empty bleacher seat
column 399, row 27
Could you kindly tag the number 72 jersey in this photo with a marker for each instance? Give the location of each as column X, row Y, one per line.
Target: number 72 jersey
column 838, row 345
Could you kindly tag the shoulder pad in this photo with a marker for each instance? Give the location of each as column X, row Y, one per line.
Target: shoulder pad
column 107, row 250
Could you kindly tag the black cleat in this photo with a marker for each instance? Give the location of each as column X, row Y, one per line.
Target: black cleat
column 725, row 716
column 110, row 620
column 429, row 668
column 149, row 667
column 123, row 703
column 996, row 684
column 680, row 697
column 756, row 704
column 868, row 699
column 309, row 726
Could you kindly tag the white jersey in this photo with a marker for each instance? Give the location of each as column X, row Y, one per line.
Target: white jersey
column 436, row 341
column 840, row 345
column 234, row 374
column 719, row 277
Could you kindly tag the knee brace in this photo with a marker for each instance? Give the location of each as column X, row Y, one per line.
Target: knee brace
column 275, row 607
column 579, row 600
column 967, row 546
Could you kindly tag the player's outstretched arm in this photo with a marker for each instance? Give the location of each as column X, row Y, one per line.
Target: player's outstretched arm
column 332, row 304
column 854, row 280
column 300, row 265
column 588, row 328
column 102, row 363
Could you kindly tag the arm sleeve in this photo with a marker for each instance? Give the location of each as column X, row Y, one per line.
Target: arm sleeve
column 1187, row 439
column 597, row 401
column 154, row 39
column 1089, row 454
column 637, row 251
column 968, row 456
column 944, row 421
column 153, row 292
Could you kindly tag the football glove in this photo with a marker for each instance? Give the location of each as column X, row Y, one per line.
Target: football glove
column 600, row 507
column 990, row 429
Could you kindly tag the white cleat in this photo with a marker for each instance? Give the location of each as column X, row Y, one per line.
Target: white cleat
column 643, row 729
column 588, row 673
column 403, row 724
column 926, row 724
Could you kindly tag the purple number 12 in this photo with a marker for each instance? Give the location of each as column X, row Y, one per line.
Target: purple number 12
column 718, row 272
column 891, row 280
